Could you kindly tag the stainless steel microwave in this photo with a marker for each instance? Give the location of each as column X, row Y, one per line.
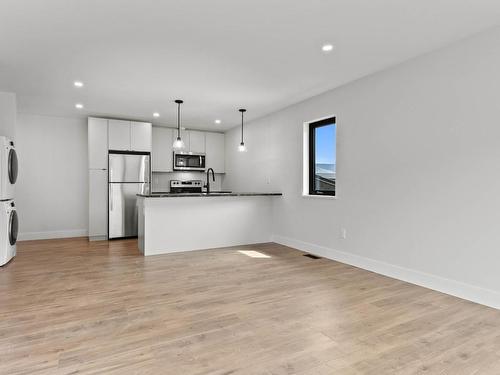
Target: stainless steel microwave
column 189, row 162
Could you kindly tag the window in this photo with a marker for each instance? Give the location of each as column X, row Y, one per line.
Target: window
column 322, row 157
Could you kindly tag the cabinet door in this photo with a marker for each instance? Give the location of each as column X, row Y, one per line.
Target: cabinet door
column 119, row 135
column 140, row 136
column 162, row 149
column 215, row 152
column 196, row 141
column 185, row 138
column 98, row 143
column 98, row 203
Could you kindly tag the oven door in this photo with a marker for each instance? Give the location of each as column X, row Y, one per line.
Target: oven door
column 189, row 162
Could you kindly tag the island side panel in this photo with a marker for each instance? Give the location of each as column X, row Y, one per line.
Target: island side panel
column 140, row 224
column 196, row 223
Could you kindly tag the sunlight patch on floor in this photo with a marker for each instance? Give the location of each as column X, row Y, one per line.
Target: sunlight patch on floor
column 253, row 254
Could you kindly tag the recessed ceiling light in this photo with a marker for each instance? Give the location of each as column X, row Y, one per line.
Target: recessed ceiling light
column 78, row 105
column 217, row 121
column 78, row 84
column 327, row 48
column 156, row 114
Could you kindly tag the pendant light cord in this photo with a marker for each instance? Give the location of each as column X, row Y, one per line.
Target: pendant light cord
column 242, row 110
column 179, row 102
column 178, row 120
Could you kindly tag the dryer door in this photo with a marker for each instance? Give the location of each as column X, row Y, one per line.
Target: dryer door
column 12, row 166
column 13, row 227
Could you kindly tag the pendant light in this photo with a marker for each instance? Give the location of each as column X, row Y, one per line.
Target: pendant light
column 178, row 143
column 242, row 147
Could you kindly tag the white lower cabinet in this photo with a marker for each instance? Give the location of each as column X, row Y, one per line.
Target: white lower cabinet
column 98, row 204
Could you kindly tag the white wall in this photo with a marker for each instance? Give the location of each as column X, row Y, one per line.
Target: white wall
column 418, row 171
column 8, row 111
column 52, row 188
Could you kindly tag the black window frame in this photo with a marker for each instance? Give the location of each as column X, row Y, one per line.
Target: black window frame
column 312, row 156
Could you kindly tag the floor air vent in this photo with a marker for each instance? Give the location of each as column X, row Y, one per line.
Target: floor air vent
column 312, row 256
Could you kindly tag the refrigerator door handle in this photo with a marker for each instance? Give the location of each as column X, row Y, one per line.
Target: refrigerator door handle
column 147, row 171
column 111, row 197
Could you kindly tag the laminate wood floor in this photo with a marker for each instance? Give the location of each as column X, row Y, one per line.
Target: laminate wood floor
column 73, row 307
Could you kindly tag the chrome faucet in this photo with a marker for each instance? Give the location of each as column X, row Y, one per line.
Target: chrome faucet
column 207, row 185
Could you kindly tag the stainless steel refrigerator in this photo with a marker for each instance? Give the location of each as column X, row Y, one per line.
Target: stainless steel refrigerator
column 129, row 175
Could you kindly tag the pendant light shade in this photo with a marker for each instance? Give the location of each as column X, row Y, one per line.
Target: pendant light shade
column 178, row 143
column 242, row 147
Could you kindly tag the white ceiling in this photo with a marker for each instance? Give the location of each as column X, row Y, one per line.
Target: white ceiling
column 136, row 56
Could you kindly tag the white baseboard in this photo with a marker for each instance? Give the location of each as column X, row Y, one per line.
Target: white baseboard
column 52, row 234
column 98, row 238
column 455, row 288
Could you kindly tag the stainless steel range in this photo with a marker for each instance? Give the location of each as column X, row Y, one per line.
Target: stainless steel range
column 189, row 186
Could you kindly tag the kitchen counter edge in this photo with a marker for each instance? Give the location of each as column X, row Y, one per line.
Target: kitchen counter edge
column 183, row 195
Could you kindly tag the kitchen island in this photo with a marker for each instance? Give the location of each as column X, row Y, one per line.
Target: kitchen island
column 182, row 222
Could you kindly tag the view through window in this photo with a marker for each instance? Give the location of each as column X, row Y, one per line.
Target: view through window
column 322, row 157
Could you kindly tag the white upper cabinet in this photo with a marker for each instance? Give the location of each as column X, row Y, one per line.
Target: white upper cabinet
column 140, row 136
column 215, row 154
column 98, row 143
column 184, row 137
column 212, row 144
column 129, row 135
column 119, row 135
column 196, row 141
column 163, row 139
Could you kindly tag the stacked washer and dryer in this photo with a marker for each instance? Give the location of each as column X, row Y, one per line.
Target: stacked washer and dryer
column 9, row 224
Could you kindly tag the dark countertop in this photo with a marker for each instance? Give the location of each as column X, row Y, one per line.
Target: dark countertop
column 214, row 194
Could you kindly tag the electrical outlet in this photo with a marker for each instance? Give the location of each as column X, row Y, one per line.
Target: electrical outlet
column 343, row 233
